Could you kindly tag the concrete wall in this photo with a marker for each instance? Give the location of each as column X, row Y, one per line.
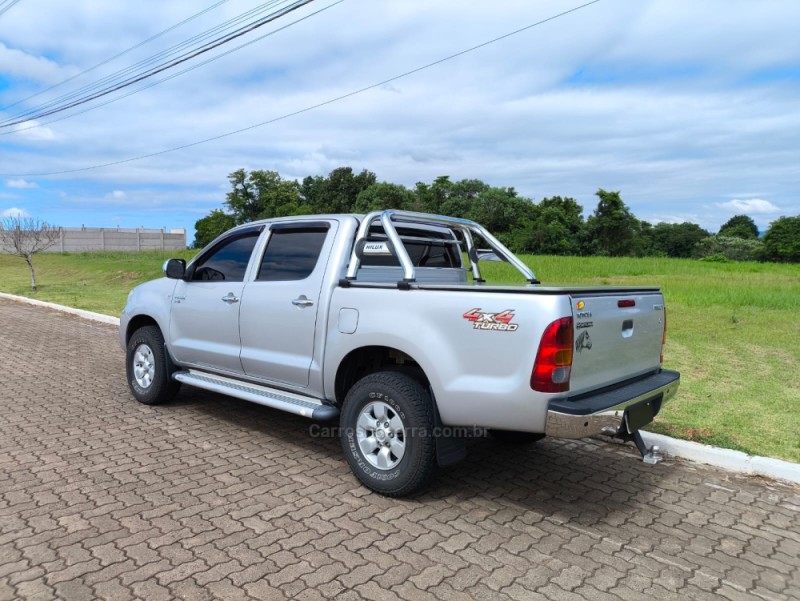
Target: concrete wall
column 77, row 239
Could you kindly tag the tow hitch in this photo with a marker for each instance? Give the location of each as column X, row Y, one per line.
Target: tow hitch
column 651, row 455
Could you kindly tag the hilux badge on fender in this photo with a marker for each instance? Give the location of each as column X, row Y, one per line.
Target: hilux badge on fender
column 500, row 322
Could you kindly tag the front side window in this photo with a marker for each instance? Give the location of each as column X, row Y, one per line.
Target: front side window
column 291, row 254
column 228, row 262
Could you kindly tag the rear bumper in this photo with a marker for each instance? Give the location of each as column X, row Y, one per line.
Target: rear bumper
column 604, row 412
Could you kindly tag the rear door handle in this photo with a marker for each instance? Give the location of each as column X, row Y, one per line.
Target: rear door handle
column 230, row 298
column 302, row 301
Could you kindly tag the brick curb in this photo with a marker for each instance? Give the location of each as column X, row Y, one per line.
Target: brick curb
column 728, row 459
column 114, row 321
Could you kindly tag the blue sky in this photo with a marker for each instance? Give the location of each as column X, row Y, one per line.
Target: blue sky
column 689, row 109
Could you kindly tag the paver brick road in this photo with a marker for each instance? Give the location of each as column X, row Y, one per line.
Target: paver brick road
column 213, row 498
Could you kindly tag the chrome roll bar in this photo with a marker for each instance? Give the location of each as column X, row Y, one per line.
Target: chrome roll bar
column 388, row 218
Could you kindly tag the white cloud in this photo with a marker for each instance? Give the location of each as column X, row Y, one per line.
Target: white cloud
column 31, row 130
column 18, row 63
column 15, row 212
column 669, row 125
column 752, row 205
column 672, row 218
column 22, row 184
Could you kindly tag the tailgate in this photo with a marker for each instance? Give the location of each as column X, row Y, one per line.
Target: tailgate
column 617, row 336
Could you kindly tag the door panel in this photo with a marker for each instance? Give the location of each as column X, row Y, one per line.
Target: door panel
column 204, row 320
column 278, row 315
column 204, row 329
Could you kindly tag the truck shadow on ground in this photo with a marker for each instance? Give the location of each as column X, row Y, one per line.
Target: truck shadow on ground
column 586, row 479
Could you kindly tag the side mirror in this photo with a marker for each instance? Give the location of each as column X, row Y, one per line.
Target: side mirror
column 174, row 269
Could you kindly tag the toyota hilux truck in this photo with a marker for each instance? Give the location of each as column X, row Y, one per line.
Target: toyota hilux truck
column 385, row 323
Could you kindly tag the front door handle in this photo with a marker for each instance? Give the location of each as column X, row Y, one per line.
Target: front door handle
column 230, row 298
column 302, row 301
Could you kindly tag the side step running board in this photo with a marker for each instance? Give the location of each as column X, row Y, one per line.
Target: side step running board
column 263, row 395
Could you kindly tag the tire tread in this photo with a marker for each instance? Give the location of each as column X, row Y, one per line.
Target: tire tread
column 418, row 401
column 163, row 388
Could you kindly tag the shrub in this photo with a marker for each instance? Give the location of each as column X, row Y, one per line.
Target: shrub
column 733, row 249
column 718, row 258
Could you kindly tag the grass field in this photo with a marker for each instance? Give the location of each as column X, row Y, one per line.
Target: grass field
column 733, row 330
column 93, row 281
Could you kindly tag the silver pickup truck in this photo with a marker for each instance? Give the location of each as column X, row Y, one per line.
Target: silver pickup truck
column 385, row 322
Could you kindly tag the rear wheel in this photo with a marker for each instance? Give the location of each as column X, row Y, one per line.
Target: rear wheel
column 149, row 376
column 514, row 437
column 387, row 433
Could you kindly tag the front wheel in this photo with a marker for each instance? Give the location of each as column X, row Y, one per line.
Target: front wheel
column 149, row 377
column 387, row 436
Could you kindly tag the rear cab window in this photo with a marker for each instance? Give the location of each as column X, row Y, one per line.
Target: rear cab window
column 426, row 247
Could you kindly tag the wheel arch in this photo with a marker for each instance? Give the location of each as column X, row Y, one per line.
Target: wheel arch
column 370, row 359
column 140, row 321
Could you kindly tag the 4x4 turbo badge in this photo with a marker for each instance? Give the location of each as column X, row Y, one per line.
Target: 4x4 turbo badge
column 500, row 322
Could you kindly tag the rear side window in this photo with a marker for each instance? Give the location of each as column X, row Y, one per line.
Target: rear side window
column 291, row 254
column 227, row 262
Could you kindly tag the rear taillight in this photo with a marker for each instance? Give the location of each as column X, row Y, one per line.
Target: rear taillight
column 553, row 364
column 664, row 336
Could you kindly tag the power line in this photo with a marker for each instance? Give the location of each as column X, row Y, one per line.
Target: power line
column 161, row 55
column 6, row 6
column 172, row 76
column 116, row 56
column 44, row 112
column 314, row 106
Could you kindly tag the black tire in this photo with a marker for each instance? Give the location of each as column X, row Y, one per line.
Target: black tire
column 514, row 437
column 411, row 402
column 162, row 388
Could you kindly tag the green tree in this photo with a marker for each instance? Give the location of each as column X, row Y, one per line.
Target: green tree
column 612, row 229
column 497, row 209
column 336, row 193
column 261, row 195
column 345, row 186
column 313, row 192
column 739, row 226
column 383, row 196
column 676, row 239
column 569, row 210
column 211, row 226
column 243, row 198
column 782, row 240
column 557, row 227
column 643, row 239
column 434, row 198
